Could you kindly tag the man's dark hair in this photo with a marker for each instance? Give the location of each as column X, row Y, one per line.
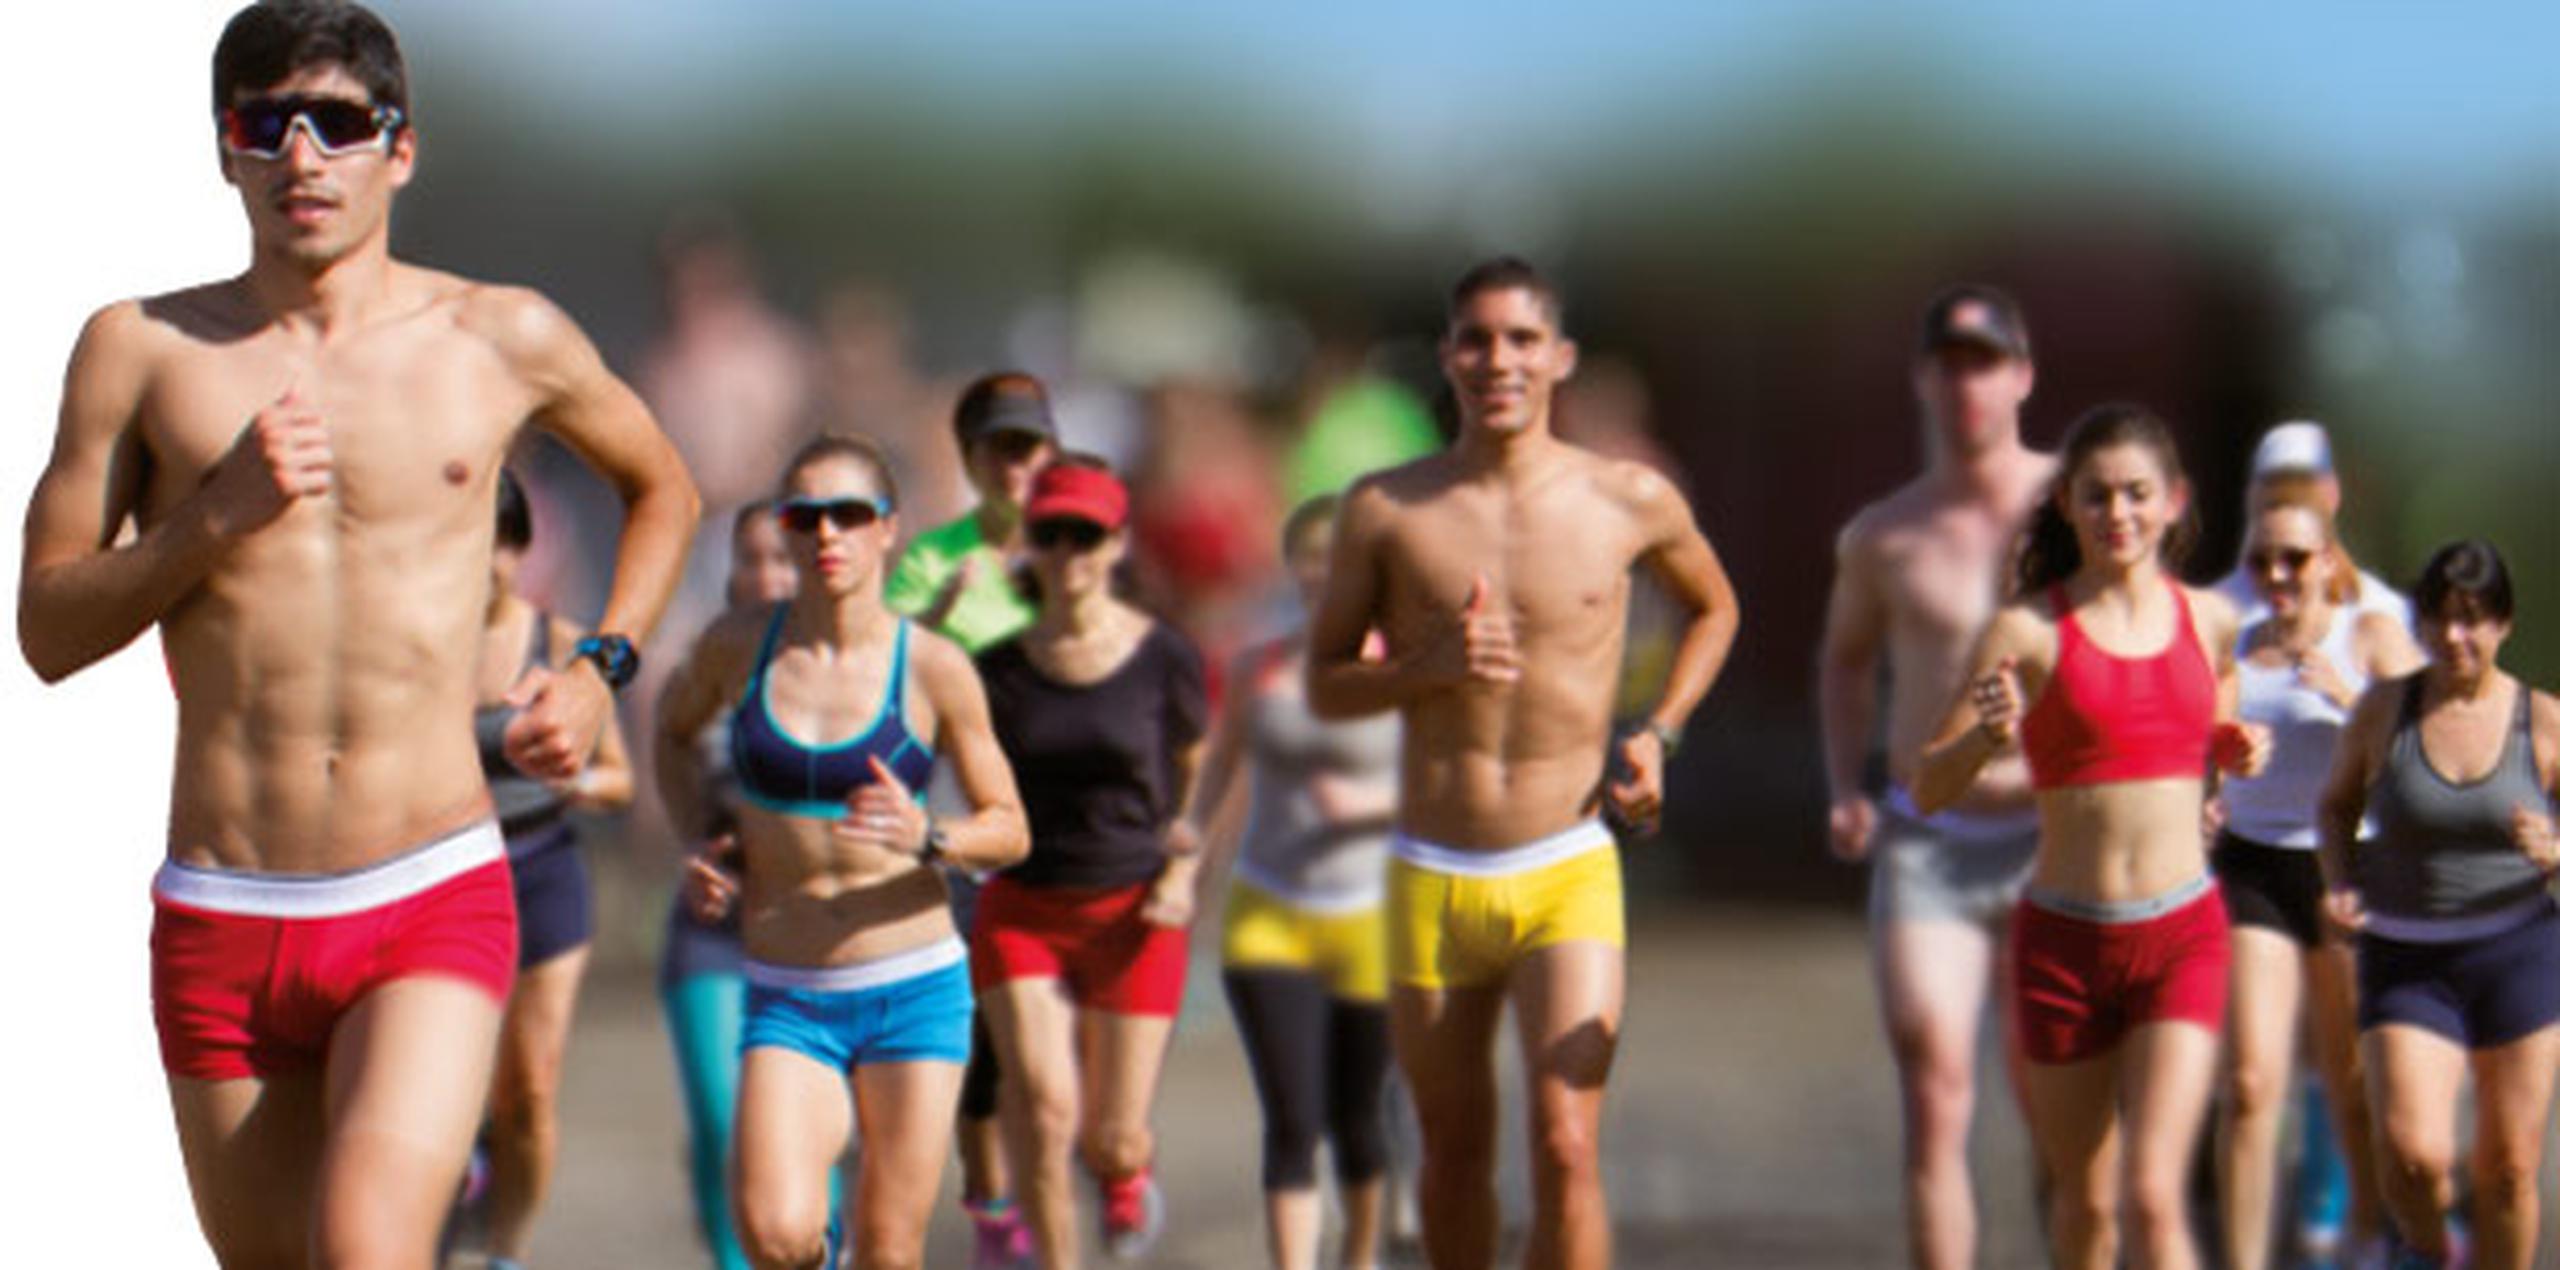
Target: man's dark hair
column 269, row 41
column 1507, row 273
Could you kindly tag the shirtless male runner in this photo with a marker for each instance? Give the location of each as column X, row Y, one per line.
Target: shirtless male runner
column 307, row 455
column 1498, row 573
column 1919, row 575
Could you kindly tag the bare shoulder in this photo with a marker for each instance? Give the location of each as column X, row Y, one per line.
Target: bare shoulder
column 133, row 331
column 2215, row 615
column 1383, row 494
column 937, row 657
column 2024, row 628
column 2545, row 721
column 521, row 324
column 1867, row 530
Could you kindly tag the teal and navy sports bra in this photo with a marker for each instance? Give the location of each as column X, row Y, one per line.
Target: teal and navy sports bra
column 780, row 773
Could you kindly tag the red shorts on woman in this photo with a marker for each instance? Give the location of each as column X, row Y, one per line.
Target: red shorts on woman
column 2087, row 975
column 1091, row 939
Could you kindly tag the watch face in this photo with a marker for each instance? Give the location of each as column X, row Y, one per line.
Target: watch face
column 613, row 655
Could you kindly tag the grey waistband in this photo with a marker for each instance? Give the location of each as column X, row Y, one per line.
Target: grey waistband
column 2116, row 912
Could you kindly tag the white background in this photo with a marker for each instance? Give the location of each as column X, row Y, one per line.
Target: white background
column 111, row 192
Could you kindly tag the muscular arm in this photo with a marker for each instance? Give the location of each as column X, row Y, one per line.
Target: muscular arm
column 1686, row 565
column 599, row 417
column 1853, row 631
column 605, row 784
column 996, row 833
column 1340, row 683
column 80, row 598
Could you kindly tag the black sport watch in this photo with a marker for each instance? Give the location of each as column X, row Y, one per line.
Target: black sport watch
column 613, row 655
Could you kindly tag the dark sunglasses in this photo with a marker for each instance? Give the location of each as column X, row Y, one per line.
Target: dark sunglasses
column 2294, row 560
column 1069, row 532
column 801, row 515
column 263, row 128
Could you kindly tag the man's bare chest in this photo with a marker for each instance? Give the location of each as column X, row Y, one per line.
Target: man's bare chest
column 1552, row 574
column 409, row 422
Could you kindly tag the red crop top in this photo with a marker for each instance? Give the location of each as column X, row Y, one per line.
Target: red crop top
column 2106, row 718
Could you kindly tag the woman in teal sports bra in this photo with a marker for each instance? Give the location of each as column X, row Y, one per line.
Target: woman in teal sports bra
column 858, row 1001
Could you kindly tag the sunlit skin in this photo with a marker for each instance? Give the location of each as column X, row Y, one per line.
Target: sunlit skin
column 2292, row 558
column 2466, row 714
column 305, row 455
column 1918, row 576
column 813, row 892
column 1498, row 573
column 2109, row 842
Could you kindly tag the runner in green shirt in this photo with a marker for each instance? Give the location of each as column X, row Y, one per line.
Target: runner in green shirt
column 957, row 577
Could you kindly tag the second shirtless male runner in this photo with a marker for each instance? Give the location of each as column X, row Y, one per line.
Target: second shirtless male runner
column 307, row 455
column 1498, row 573
column 1919, row 577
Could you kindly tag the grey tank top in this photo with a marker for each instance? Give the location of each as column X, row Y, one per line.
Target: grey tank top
column 2442, row 850
column 1291, row 847
column 524, row 804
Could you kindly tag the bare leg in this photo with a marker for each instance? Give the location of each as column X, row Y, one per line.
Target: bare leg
column 1035, row 1032
column 1444, row 1042
column 1931, row 980
column 793, row 1119
column 2415, row 1076
column 252, row 1151
column 1128, row 1054
column 524, row 1100
column 1571, row 997
column 2513, row 1105
column 2072, row 1110
column 2167, row 1069
column 2266, row 998
column 408, row 1076
column 903, row 1108
column 2329, row 981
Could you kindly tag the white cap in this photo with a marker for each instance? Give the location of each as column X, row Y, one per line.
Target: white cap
column 2298, row 446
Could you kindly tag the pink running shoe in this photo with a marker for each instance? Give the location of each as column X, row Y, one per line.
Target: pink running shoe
column 1003, row 1239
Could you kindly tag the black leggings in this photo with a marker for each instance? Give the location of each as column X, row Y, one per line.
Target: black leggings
column 978, row 1087
column 1320, row 1066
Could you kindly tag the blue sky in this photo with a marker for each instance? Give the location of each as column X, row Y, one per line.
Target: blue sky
column 2388, row 102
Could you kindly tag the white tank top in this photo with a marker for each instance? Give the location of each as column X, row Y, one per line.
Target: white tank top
column 2280, row 806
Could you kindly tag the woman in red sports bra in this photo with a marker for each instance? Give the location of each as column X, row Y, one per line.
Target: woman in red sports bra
column 2117, row 681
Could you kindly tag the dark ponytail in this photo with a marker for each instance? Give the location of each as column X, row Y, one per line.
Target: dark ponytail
column 2049, row 549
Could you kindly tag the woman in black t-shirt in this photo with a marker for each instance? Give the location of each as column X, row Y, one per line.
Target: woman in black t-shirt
column 1102, row 711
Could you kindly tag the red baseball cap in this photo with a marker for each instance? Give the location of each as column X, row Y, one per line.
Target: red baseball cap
column 1073, row 490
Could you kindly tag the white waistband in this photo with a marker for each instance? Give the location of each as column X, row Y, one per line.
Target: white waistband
column 2447, row 930
column 1563, row 844
column 1322, row 903
column 1967, row 826
column 2119, row 912
column 331, row 894
column 876, row 972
